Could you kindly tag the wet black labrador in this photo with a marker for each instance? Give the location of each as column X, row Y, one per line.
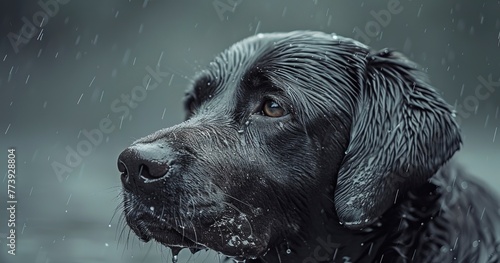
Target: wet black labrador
column 310, row 147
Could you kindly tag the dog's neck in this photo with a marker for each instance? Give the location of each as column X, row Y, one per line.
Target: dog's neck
column 329, row 241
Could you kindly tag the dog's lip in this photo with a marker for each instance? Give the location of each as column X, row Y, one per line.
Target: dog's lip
column 161, row 231
column 148, row 225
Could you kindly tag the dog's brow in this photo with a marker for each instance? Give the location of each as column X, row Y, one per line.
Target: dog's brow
column 203, row 85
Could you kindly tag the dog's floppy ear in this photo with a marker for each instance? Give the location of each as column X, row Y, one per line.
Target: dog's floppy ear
column 402, row 133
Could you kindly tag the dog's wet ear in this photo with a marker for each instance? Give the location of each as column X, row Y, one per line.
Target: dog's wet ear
column 402, row 133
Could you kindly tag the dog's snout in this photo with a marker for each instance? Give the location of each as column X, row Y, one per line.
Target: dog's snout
column 143, row 160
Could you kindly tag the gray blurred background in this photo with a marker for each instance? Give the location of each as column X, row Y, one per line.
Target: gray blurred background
column 64, row 78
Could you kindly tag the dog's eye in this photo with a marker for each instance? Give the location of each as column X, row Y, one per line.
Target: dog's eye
column 272, row 109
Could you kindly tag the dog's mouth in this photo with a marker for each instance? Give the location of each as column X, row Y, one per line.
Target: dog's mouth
column 147, row 227
column 230, row 234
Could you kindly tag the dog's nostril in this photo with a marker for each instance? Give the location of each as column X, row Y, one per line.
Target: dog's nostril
column 153, row 169
column 121, row 167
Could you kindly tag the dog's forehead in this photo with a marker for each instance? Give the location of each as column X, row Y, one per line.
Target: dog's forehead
column 247, row 54
column 311, row 69
column 239, row 58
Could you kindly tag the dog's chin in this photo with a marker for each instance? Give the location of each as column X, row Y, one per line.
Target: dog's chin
column 230, row 235
column 148, row 230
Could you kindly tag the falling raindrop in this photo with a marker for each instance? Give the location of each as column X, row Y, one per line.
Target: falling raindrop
column 159, row 60
column 78, row 102
column 7, row 129
column 257, row 28
column 92, row 81
column 40, row 35
column 69, row 198
column 163, row 115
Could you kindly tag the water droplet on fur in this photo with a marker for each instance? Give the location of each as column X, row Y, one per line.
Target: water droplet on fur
column 257, row 211
column 444, row 249
column 175, row 252
column 239, row 260
column 289, row 251
column 240, row 131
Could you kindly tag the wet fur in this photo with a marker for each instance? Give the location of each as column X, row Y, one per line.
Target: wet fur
column 358, row 171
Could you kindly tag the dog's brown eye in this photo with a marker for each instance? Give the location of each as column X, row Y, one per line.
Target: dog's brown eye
column 273, row 109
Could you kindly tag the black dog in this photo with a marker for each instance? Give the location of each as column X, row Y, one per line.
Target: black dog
column 309, row 147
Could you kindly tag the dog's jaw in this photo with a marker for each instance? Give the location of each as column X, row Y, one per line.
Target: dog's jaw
column 231, row 234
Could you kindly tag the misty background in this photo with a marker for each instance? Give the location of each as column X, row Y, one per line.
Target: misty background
column 61, row 82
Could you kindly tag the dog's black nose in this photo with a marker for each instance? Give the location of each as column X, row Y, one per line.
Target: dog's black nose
column 148, row 161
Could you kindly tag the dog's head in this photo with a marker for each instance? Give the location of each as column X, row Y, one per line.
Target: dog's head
column 276, row 125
